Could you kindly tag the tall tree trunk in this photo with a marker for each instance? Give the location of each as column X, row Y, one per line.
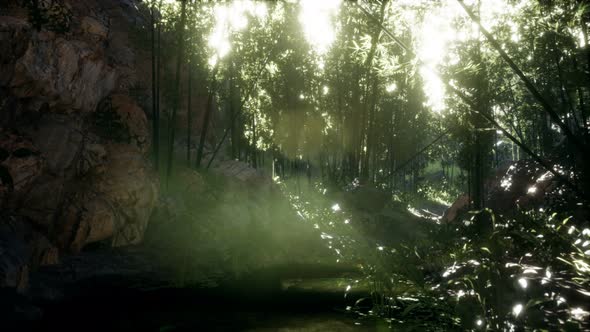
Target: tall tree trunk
column 155, row 118
column 232, row 112
column 179, row 60
column 189, row 114
column 158, row 83
column 390, row 150
column 206, row 119
column 353, row 145
column 365, row 122
column 253, row 144
column 481, row 147
column 371, row 134
column 576, row 142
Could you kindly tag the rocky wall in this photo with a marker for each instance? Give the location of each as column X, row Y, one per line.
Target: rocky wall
column 73, row 143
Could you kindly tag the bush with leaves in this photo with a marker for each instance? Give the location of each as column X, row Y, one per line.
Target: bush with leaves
column 487, row 272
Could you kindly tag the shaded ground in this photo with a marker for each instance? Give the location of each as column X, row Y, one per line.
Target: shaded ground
column 117, row 290
column 218, row 256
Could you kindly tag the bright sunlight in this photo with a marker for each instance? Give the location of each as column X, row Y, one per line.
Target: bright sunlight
column 309, row 165
column 317, row 17
column 230, row 18
column 445, row 27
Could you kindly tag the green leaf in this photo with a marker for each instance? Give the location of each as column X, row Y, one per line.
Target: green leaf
column 534, row 302
column 411, row 307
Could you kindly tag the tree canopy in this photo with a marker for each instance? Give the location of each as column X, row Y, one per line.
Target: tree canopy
column 426, row 98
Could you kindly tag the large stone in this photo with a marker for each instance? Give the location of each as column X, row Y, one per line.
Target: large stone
column 114, row 204
column 87, row 218
column 62, row 184
column 14, row 40
column 68, row 74
column 132, row 188
column 70, row 153
column 459, row 206
column 69, row 148
column 95, row 28
column 60, row 141
column 43, row 201
column 22, row 249
column 133, row 118
column 20, row 164
column 14, row 260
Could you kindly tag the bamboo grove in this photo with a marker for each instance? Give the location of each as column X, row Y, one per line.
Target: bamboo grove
column 381, row 97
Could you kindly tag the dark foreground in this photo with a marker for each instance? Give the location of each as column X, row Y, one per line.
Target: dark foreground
column 293, row 298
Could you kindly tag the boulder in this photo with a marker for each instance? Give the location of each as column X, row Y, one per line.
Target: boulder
column 68, row 146
column 95, row 28
column 42, row 203
column 87, row 218
column 119, row 119
column 114, row 204
column 20, row 164
column 60, row 141
column 14, row 261
column 14, row 41
column 70, row 153
column 460, row 206
column 132, row 188
column 22, row 248
column 62, row 181
column 68, row 74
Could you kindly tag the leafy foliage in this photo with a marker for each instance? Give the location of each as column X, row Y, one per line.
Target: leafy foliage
column 364, row 109
column 486, row 272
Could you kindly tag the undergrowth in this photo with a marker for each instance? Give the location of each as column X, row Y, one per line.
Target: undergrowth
column 486, row 272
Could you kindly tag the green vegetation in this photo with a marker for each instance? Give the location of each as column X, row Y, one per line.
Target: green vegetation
column 528, row 271
column 415, row 101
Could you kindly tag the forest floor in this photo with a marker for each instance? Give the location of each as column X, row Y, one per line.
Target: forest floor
column 293, row 298
column 217, row 272
column 229, row 258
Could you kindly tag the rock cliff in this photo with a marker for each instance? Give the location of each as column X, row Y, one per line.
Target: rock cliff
column 73, row 141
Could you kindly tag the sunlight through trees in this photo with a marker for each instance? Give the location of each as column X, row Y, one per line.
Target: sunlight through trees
column 427, row 99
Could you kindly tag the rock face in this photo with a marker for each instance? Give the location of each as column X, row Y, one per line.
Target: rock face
column 130, row 119
column 461, row 205
column 130, row 186
column 73, row 143
column 14, row 39
column 23, row 249
column 67, row 74
column 20, row 164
